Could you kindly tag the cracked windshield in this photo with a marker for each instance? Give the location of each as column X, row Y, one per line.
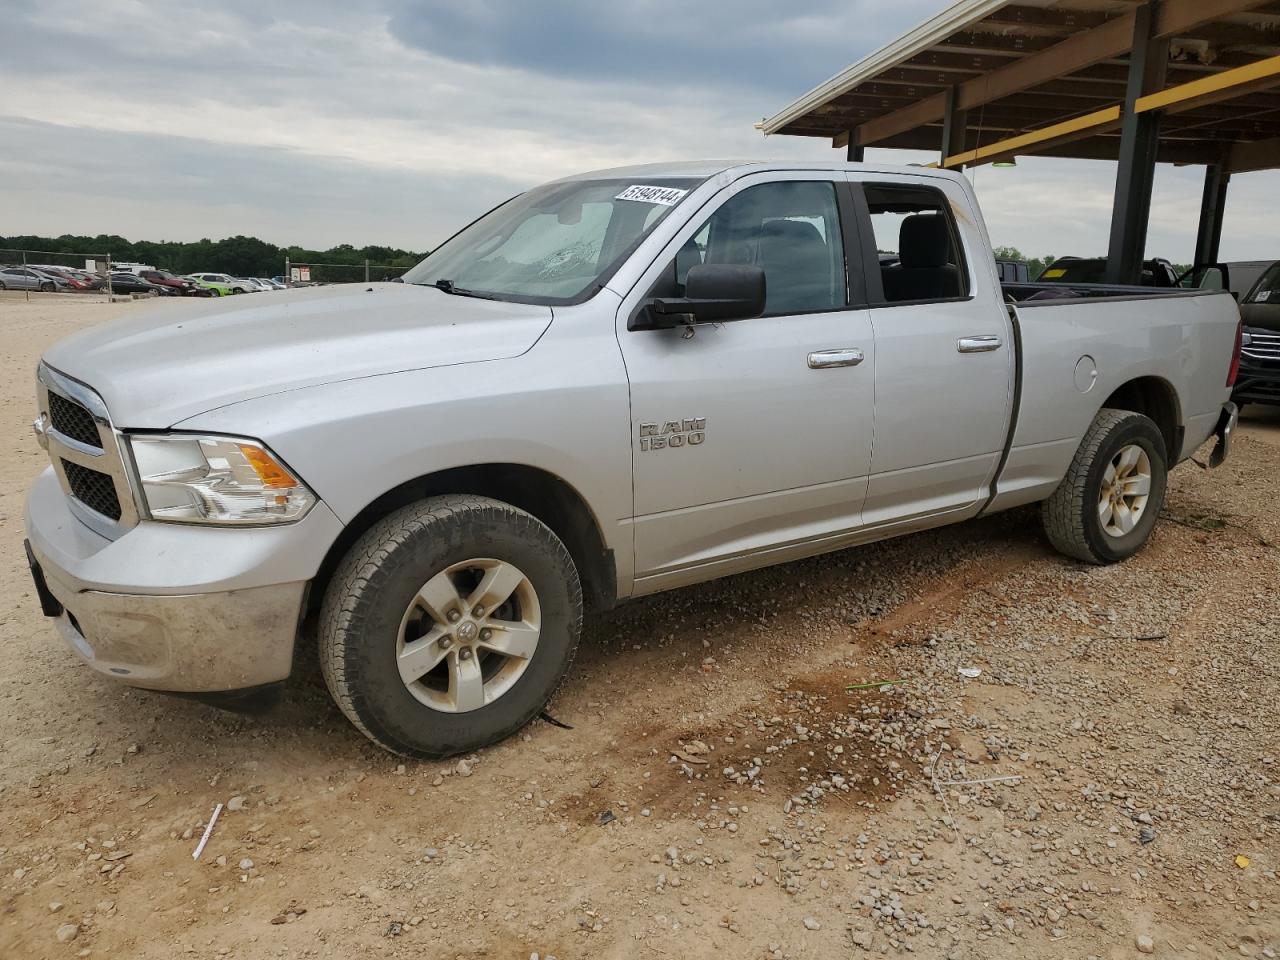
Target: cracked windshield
column 557, row 243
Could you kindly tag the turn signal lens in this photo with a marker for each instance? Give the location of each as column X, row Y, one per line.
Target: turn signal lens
column 269, row 472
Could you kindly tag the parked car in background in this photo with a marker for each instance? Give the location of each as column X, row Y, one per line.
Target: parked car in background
column 1155, row 273
column 1259, row 380
column 1236, row 276
column 271, row 284
column 132, row 283
column 73, row 278
column 182, row 285
column 211, row 288
column 683, row 385
column 259, row 285
column 29, row 278
column 96, row 281
column 227, row 283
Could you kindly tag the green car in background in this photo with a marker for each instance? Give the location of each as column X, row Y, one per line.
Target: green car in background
column 221, row 284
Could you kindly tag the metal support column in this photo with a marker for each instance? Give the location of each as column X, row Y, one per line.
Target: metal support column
column 854, row 152
column 954, row 122
column 1212, row 204
column 1139, row 138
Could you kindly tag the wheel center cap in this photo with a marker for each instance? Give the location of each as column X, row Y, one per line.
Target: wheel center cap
column 467, row 631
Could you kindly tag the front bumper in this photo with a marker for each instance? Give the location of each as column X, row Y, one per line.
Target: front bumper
column 1258, row 382
column 177, row 607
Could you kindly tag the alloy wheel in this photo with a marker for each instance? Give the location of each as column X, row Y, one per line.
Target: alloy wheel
column 468, row 635
column 1126, row 487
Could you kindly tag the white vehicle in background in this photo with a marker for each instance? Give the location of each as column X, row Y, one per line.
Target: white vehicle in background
column 259, row 285
column 269, row 284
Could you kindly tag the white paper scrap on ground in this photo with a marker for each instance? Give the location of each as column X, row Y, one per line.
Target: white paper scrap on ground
column 207, row 830
column 971, row 672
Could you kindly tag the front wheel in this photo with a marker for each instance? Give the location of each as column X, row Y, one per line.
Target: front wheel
column 1107, row 504
column 449, row 625
column 46, row 288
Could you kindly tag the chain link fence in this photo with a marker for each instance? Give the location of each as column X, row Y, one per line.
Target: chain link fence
column 35, row 274
column 305, row 274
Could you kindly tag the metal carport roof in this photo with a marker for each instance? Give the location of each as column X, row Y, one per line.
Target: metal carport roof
column 1050, row 77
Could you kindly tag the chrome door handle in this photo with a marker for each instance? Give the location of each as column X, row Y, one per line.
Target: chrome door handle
column 846, row 357
column 978, row 344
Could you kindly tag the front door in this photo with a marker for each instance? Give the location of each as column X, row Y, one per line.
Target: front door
column 751, row 439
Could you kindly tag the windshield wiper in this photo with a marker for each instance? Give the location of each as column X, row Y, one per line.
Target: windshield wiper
column 448, row 287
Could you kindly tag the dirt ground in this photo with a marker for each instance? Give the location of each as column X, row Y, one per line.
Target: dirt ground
column 721, row 791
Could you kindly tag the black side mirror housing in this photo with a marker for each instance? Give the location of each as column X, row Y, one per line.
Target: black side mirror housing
column 714, row 293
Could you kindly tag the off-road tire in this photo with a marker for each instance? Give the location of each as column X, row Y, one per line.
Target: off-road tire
column 1070, row 515
column 372, row 587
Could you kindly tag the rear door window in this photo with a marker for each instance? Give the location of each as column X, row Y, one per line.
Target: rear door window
column 918, row 246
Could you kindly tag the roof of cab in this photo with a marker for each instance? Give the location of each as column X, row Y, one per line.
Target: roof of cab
column 704, row 169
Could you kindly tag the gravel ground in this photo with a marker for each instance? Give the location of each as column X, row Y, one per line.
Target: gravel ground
column 1048, row 760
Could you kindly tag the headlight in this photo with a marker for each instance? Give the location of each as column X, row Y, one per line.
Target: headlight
column 189, row 479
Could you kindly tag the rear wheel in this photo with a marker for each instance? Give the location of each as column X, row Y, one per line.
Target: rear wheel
column 47, row 287
column 449, row 625
column 1107, row 504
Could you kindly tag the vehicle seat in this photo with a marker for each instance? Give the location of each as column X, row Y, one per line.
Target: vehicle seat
column 797, row 267
column 926, row 271
column 689, row 255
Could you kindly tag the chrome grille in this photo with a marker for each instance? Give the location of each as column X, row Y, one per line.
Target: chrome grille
column 85, row 449
column 1264, row 345
column 72, row 420
column 95, row 490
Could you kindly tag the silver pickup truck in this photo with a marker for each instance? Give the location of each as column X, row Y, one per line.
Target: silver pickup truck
column 611, row 385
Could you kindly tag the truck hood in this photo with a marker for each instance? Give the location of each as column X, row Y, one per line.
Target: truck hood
column 166, row 364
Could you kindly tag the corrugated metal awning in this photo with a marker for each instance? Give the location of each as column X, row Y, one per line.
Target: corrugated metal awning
column 1018, row 69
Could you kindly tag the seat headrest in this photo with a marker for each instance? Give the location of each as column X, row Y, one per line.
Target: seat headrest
column 924, row 241
column 792, row 231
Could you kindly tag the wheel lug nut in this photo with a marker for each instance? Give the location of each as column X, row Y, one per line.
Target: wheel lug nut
column 486, row 634
column 454, row 616
column 464, row 654
column 478, row 612
column 446, row 643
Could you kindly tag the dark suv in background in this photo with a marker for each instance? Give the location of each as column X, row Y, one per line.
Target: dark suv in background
column 1156, row 272
column 1259, row 379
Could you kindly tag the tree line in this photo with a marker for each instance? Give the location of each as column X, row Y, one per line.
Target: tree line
column 238, row 256
column 1035, row 265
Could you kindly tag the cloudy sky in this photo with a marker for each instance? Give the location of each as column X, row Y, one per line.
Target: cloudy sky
column 391, row 121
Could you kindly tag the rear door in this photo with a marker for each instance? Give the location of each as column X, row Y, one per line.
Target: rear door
column 944, row 357
column 751, row 439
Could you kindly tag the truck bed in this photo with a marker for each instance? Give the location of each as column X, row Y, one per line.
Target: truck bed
column 1086, row 343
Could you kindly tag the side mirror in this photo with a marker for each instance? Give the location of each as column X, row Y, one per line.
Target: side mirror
column 714, row 293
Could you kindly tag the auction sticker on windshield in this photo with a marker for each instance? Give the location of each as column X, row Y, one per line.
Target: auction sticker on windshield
column 667, row 196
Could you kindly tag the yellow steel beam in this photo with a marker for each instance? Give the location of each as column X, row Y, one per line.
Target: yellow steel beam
column 1213, row 88
column 1062, row 132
